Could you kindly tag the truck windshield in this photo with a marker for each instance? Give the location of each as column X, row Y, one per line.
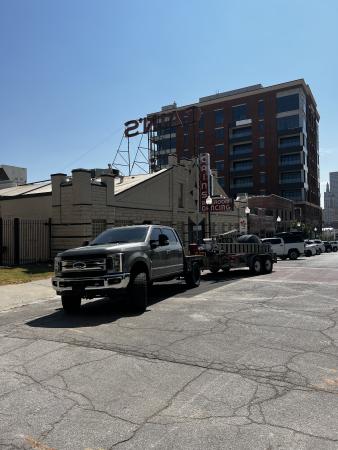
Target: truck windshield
column 121, row 235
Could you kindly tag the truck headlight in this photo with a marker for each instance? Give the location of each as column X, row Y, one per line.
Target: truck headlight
column 57, row 265
column 115, row 262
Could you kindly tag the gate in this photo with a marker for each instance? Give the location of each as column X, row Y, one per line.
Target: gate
column 24, row 241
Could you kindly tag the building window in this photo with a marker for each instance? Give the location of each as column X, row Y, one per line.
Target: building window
column 243, row 165
column 241, row 132
column 186, row 140
column 261, row 108
column 219, row 150
column 261, row 126
column 241, row 149
column 288, row 103
column 243, row 181
column 291, row 177
column 201, row 121
column 293, row 195
column 219, row 166
column 288, row 160
column 219, row 133
column 288, row 123
column 180, row 195
column 263, row 178
column 261, row 160
column 289, row 141
column 221, row 181
column 201, row 138
column 239, row 112
column 261, row 142
column 166, row 144
column 219, row 117
column 98, row 226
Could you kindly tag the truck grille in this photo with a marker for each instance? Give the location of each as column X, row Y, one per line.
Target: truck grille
column 84, row 267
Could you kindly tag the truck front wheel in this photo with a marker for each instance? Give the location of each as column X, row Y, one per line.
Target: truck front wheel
column 293, row 254
column 71, row 303
column 193, row 278
column 138, row 292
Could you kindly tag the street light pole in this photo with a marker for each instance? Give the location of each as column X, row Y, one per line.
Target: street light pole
column 278, row 222
column 247, row 212
column 315, row 230
column 208, row 202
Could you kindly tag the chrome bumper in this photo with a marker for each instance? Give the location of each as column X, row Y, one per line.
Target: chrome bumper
column 84, row 284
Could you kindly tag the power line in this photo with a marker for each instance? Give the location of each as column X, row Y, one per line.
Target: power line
column 105, row 139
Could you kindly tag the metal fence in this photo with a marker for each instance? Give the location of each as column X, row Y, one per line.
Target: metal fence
column 24, row 241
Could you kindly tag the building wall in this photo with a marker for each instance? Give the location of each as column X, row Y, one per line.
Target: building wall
column 267, row 174
column 29, row 207
column 82, row 208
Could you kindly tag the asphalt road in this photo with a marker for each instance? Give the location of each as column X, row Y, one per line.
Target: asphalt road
column 241, row 362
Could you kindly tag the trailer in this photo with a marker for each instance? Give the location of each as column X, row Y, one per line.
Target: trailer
column 230, row 251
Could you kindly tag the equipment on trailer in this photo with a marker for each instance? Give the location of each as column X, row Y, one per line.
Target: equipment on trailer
column 229, row 251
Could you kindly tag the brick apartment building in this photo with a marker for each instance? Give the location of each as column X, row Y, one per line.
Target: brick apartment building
column 262, row 141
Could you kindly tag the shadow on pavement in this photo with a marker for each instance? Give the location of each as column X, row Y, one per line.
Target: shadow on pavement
column 106, row 310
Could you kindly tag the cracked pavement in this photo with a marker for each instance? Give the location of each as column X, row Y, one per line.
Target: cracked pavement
column 241, row 362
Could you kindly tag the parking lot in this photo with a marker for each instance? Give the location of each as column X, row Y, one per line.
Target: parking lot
column 241, row 362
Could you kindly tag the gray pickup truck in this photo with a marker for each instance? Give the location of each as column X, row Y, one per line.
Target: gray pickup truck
column 129, row 258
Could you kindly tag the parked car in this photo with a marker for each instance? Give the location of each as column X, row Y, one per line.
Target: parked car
column 321, row 244
column 287, row 246
column 334, row 245
column 310, row 249
column 319, row 249
column 328, row 246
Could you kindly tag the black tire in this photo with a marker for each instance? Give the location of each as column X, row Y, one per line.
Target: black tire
column 320, row 251
column 225, row 269
column 329, row 250
column 214, row 269
column 334, row 249
column 256, row 266
column 138, row 292
column 283, row 258
column 308, row 253
column 267, row 265
column 71, row 303
column 193, row 278
column 293, row 254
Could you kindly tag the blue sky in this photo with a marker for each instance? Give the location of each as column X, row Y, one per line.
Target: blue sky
column 73, row 71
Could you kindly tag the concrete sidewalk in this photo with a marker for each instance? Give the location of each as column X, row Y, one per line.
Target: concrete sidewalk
column 16, row 295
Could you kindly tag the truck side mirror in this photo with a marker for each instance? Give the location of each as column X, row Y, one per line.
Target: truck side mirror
column 163, row 240
column 153, row 243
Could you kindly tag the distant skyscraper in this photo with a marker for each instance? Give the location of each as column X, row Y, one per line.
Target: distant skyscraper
column 331, row 201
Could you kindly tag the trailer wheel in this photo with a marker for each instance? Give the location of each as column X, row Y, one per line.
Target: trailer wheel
column 256, row 266
column 71, row 303
column 214, row 269
column 193, row 278
column 225, row 269
column 138, row 292
column 267, row 265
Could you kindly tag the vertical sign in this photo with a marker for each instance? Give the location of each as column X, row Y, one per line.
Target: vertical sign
column 204, row 180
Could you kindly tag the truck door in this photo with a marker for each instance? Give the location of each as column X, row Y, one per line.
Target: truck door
column 156, row 255
column 174, row 253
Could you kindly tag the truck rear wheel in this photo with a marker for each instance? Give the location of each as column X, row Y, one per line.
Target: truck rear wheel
column 293, row 254
column 193, row 278
column 256, row 266
column 138, row 292
column 71, row 303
